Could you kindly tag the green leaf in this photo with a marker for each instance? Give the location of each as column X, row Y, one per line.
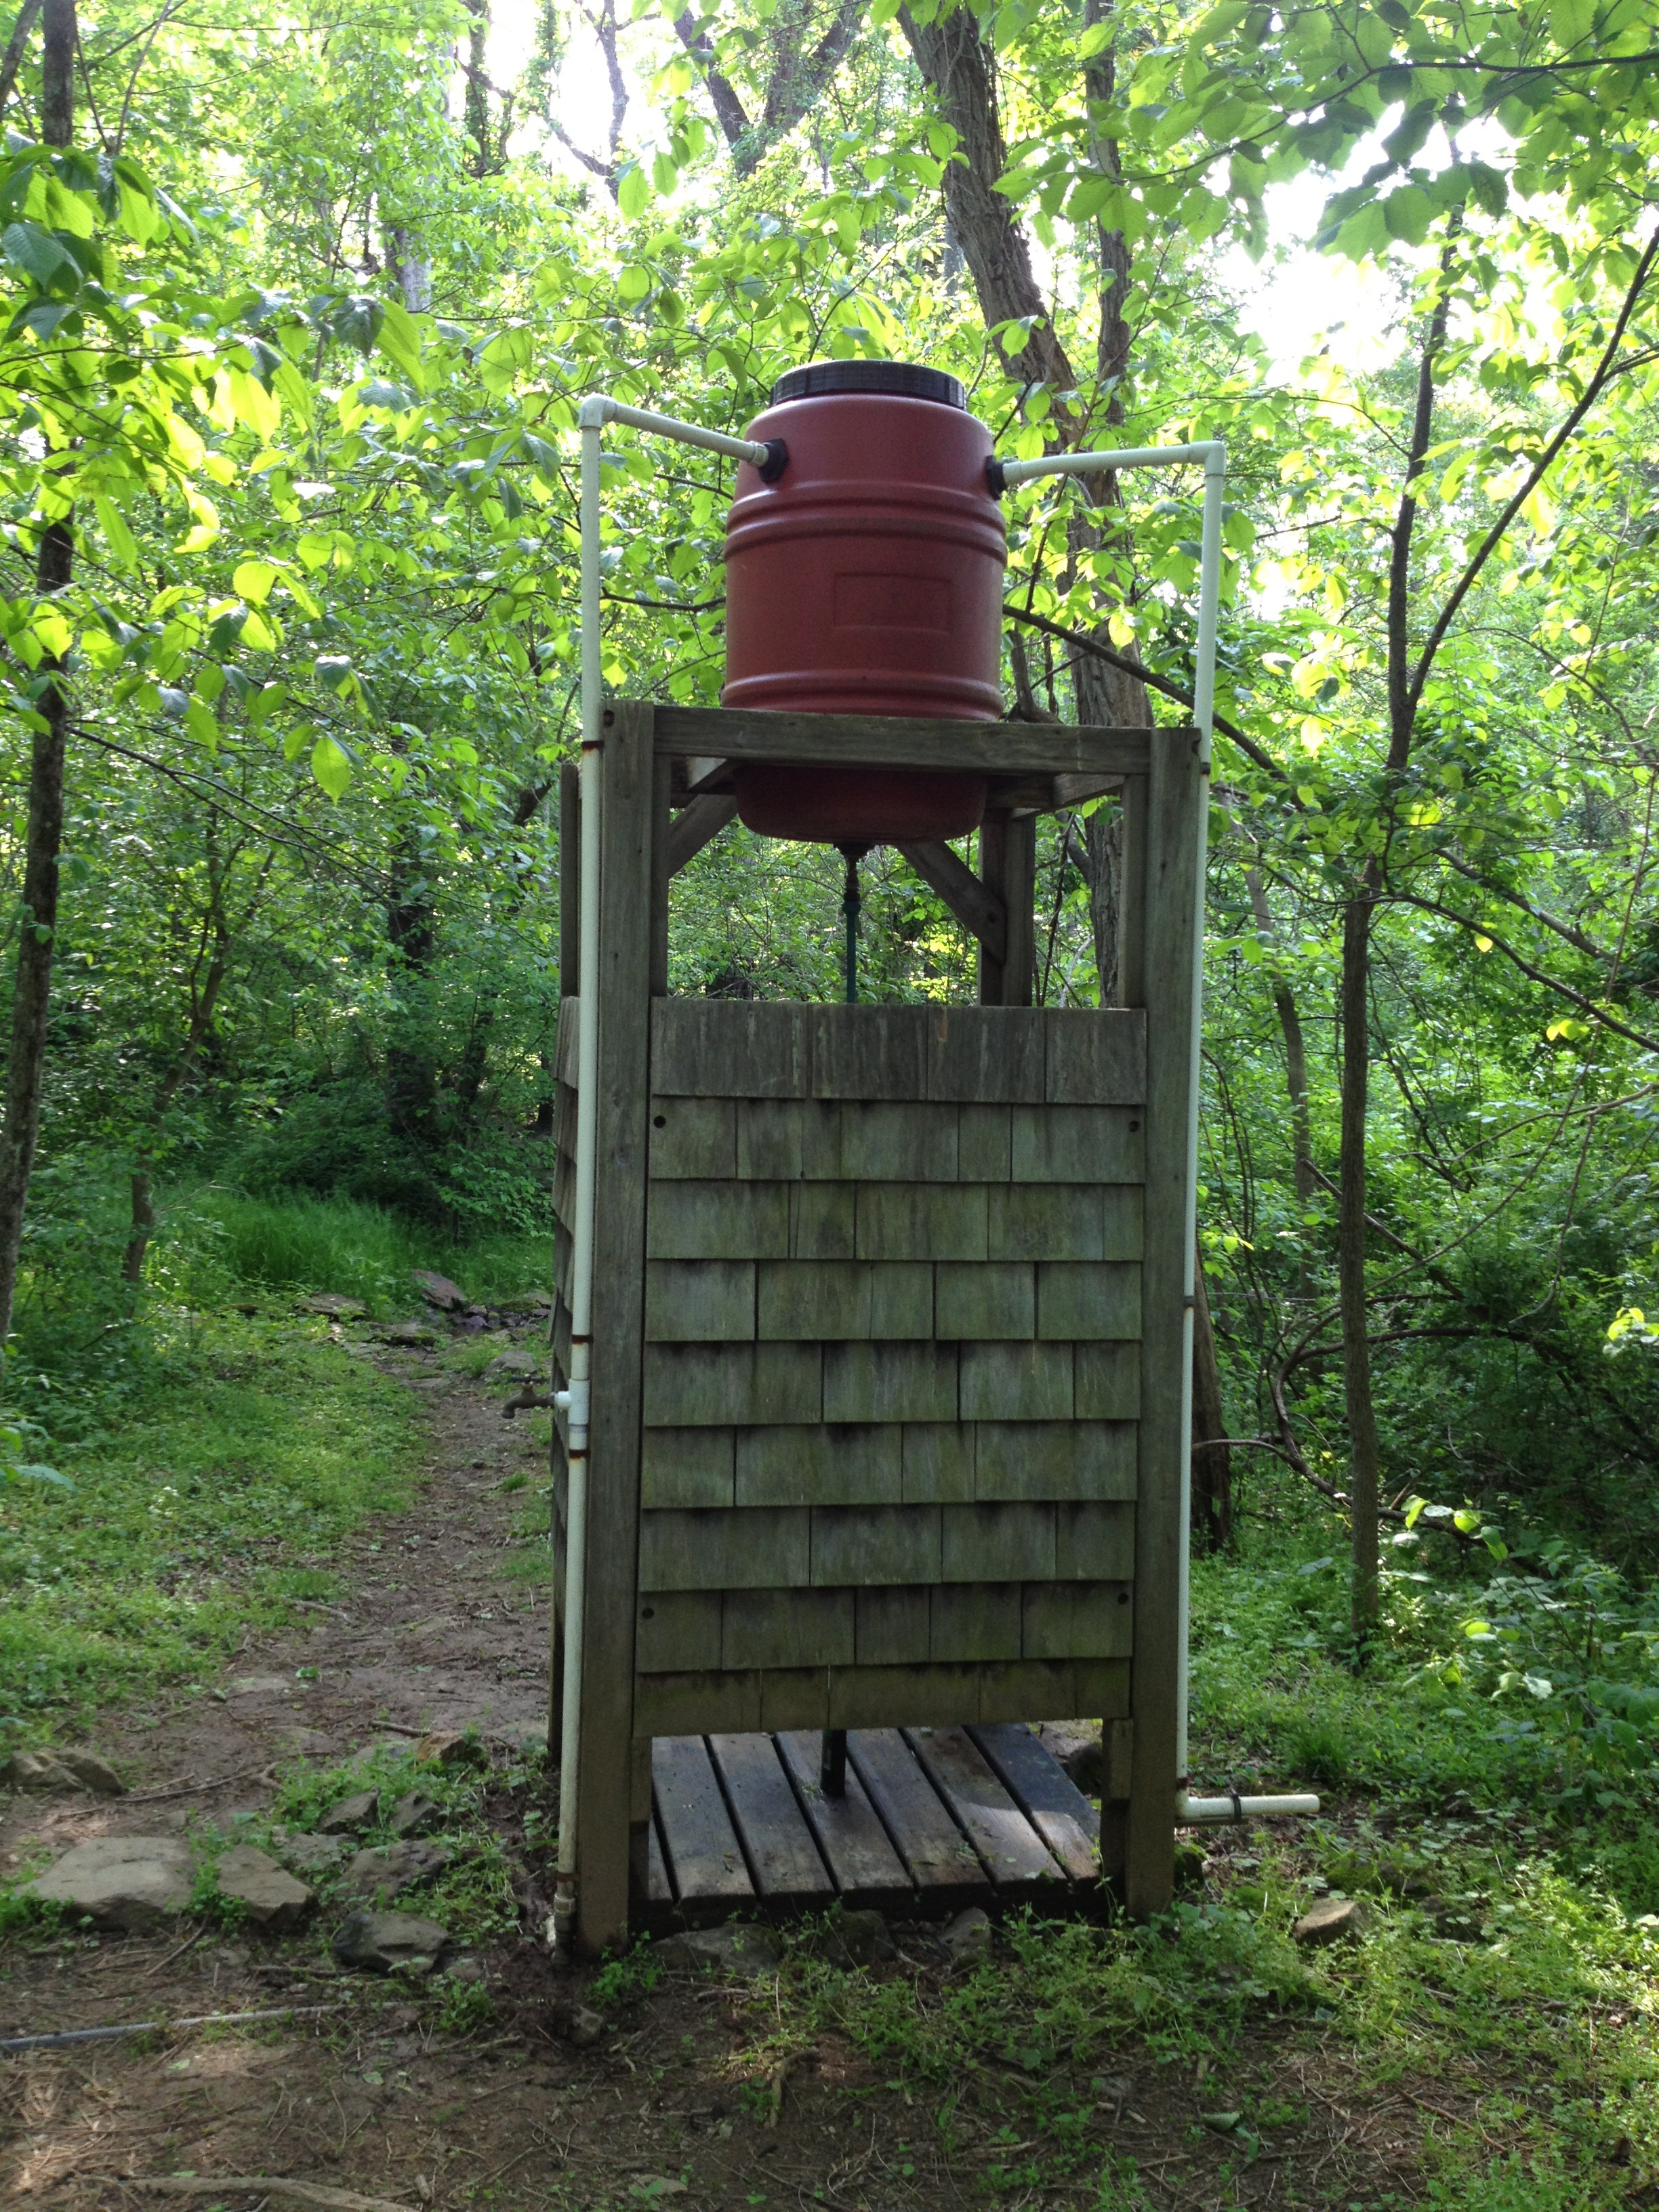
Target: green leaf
column 633, row 192
column 253, row 581
column 331, row 766
column 122, row 543
column 39, row 255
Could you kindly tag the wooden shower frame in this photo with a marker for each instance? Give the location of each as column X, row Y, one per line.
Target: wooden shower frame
column 666, row 787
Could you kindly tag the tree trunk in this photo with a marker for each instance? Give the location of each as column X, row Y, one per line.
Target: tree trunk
column 1363, row 1470
column 1289, row 1024
column 799, row 72
column 1213, row 1464
column 37, row 935
column 1364, row 1458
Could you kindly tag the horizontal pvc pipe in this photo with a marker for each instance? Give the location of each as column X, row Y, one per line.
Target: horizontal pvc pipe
column 1189, row 1810
column 1093, row 464
column 667, row 426
column 162, row 2026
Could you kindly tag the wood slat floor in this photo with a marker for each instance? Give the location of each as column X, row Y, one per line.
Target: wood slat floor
column 933, row 1819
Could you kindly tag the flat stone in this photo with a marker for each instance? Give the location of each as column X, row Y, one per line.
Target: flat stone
column 313, row 1854
column 467, row 1970
column 415, row 1333
column 414, row 1814
column 583, row 2026
column 526, row 1742
column 387, row 1870
column 331, row 1302
column 380, row 1942
column 93, row 1773
column 1077, row 1746
column 361, row 1810
column 270, row 1895
column 305, row 1742
column 1332, row 1920
column 738, row 1948
column 438, row 1291
column 38, row 1771
column 122, row 1881
column 968, row 1938
column 859, row 1939
column 514, row 1361
column 451, row 1748
column 260, row 1686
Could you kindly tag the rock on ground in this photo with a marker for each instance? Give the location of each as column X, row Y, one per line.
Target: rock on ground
column 35, row 1771
column 453, row 1748
column 414, row 1813
column 438, row 1291
column 93, row 1773
column 331, row 1302
column 379, row 1941
column 968, row 1938
column 739, row 1947
column 123, row 1882
column 415, row 1333
column 1332, row 1920
column 387, row 1868
column 313, row 1854
column 859, row 1939
column 270, row 1895
column 360, row 1810
column 514, row 1362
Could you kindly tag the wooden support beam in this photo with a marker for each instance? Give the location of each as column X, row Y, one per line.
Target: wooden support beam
column 1007, row 862
column 1175, row 793
column 975, row 905
column 696, row 824
column 631, row 801
column 902, row 741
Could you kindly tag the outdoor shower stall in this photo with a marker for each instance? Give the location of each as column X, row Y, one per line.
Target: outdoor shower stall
column 873, row 1341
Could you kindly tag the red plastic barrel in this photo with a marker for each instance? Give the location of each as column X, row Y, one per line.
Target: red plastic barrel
column 867, row 579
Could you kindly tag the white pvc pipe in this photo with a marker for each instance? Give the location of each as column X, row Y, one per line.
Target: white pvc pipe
column 1190, row 1811
column 576, row 1403
column 1213, row 453
column 1094, row 465
column 666, row 426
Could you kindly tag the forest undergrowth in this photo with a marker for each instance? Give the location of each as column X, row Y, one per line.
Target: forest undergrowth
column 1487, row 1776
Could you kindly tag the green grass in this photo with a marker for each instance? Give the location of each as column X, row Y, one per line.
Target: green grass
column 195, row 1518
column 473, row 1897
column 361, row 1251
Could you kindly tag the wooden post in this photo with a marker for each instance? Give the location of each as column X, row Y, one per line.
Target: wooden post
column 1174, row 795
column 662, row 817
column 1132, row 897
column 627, row 906
column 1007, row 866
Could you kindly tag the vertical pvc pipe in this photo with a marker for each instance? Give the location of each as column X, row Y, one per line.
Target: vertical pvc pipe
column 595, row 412
column 592, row 421
column 1209, row 613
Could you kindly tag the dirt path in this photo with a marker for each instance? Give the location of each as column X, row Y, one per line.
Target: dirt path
column 679, row 2095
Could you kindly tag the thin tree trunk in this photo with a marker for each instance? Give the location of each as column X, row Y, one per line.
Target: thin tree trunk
column 1211, row 1464
column 13, row 60
column 1362, row 1454
column 1289, row 1024
column 37, row 936
column 1364, row 1471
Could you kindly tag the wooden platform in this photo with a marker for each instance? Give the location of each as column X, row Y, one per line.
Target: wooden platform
column 933, row 1819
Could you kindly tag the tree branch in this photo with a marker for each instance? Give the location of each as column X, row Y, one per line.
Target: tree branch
column 1161, row 685
column 1541, row 468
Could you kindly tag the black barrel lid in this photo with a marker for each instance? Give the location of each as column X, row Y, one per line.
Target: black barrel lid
column 903, row 379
